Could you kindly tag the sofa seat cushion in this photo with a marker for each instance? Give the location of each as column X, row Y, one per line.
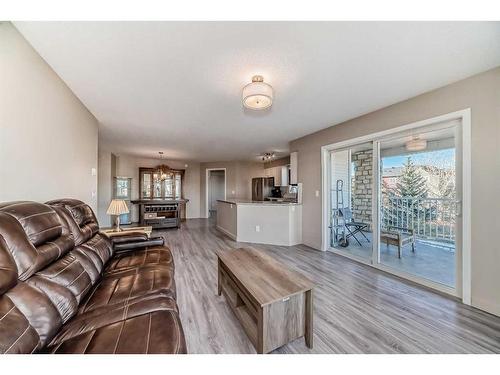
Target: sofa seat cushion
column 16, row 333
column 129, row 284
column 157, row 332
column 110, row 314
column 154, row 256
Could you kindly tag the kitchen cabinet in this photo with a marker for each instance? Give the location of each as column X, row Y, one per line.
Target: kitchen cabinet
column 280, row 175
column 294, row 159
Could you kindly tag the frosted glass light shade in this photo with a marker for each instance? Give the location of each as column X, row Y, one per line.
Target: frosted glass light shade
column 258, row 94
column 117, row 207
column 416, row 144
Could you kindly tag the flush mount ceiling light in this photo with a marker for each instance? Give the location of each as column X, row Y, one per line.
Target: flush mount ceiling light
column 416, row 144
column 258, row 94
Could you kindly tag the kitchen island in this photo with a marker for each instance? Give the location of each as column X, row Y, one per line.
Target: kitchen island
column 266, row 222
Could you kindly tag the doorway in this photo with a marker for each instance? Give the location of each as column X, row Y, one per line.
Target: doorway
column 215, row 190
column 399, row 201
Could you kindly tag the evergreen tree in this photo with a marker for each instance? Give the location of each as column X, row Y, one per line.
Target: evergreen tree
column 388, row 217
column 411, row 183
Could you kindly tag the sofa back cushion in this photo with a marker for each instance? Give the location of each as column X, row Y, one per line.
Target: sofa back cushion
column 77, row 218
column 43, row 277
column 33, row 234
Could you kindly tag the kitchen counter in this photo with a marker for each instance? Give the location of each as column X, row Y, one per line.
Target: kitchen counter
column 249, row 201
column 267, row 222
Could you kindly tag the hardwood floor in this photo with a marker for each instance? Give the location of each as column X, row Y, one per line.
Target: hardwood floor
column 357, row 309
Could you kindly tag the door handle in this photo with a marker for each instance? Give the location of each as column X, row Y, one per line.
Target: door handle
column 458, row 208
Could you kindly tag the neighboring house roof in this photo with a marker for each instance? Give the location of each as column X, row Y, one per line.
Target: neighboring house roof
column 392, row 172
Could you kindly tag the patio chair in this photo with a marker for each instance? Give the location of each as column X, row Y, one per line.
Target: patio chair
column 398, row 236
column 353, row 227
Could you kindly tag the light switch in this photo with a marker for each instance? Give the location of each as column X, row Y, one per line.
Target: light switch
column 317, row 193
column 232, row 192
column 257, row 228
column 93, row 172
column 93, row 194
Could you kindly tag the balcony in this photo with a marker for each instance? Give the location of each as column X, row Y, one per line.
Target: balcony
column 432, row 221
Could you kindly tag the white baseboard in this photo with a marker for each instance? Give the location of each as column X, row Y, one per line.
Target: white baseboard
column 227, row 233
column 492, row 307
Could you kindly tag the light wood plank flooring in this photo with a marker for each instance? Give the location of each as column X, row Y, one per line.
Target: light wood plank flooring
column 357, row 309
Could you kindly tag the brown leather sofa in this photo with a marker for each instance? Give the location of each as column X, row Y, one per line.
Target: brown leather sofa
column 64, row 288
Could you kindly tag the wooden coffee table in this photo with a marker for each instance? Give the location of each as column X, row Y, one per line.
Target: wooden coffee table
column 273, row 303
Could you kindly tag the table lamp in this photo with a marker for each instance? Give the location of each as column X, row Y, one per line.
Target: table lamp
column 117, row 207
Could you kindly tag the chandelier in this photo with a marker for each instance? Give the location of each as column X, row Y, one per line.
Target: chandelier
column 161, row 172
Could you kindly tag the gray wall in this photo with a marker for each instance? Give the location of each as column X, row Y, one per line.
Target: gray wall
column 48, row 139
column 278, row 162
column 481, row 93
column 104, row 188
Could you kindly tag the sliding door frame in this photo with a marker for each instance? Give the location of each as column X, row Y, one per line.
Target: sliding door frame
column 464, row 116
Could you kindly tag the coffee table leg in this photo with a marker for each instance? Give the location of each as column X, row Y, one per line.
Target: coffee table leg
column 219, row 276
column 309, row 319
column 261, row 327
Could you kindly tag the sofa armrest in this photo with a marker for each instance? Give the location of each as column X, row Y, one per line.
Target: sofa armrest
column 134, row 245
column 129, row 237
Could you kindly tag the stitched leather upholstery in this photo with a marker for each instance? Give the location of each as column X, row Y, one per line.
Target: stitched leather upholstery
column 154, row 256
column 55, row 297
column 77, row 218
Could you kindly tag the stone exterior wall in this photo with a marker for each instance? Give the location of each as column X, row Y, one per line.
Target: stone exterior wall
column 362, row 186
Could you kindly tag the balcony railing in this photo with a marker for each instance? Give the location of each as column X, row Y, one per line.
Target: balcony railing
column 430, row 218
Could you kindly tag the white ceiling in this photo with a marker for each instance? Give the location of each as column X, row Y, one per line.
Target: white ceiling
column 176, row 86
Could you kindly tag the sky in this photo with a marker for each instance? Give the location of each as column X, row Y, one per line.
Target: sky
column 441, row 158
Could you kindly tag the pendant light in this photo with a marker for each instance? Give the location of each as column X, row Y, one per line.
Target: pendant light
column 257, row 95
column 162, row 176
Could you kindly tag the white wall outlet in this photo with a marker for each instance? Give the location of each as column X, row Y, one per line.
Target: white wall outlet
column 94, row 194
column 257, row 228
column 93, row 172
column 317, row 193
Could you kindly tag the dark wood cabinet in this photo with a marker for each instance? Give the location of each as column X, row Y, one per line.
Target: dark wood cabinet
column 160, row 182
column 161, row 203
column 159, row 213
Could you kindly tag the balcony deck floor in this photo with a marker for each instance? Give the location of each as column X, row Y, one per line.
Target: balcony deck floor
column 433, row 260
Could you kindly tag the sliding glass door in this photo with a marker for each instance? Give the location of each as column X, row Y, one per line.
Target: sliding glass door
column 418, row 204
column 394, row 203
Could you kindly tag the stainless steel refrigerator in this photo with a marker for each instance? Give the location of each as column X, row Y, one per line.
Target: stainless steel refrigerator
column 261, row 188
